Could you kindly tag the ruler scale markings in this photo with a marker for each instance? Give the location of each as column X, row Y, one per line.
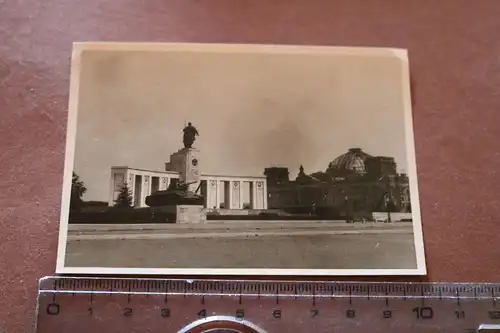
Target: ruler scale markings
column 402, row 289
column 328, row 289
column 255, row 288
column 251, row 288
column 323, row 289
column 277, row 291
column 386, row 291
column 173, row 287
column 207, row 287
column 199, row 285
column 166, row 288
column 413, row 288
column 449, row 294
column 241, row 287
column 497, row 289
column 54, row 294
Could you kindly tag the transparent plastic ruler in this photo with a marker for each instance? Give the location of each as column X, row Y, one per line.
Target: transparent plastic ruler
column 108, row 305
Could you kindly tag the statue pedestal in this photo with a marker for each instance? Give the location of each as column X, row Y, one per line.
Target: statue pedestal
column 186, row 162
column 190, row 214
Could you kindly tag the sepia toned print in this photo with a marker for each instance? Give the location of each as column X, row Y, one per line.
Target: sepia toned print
column 240, row 159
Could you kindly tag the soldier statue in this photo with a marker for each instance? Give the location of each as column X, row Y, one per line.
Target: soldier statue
column 190, row 133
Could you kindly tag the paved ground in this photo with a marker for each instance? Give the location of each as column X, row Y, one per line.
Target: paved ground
column 336, row 251
column 229, row 229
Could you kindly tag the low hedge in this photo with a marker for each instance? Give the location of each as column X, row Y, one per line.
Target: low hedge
column 121, row 215
column 146, row 215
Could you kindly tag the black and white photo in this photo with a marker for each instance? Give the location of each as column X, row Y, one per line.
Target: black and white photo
column 240, row 159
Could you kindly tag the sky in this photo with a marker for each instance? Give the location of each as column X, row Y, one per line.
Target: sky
column 252, row 110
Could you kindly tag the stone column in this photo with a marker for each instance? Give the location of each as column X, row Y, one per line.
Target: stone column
column 150, row 187
column 208, row 192
column 252, row 194
column 217, row 193
column 236, row 198
column 212, row 194
column 146, row 189
column 265, row 195
column 241, row 195
column 111, row 189
column 258, row 195
column 130, row 178
column 230, row 195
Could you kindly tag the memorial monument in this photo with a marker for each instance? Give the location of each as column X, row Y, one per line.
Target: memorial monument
column 183, row 197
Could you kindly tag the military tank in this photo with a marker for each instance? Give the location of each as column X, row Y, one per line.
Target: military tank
column 175, row 194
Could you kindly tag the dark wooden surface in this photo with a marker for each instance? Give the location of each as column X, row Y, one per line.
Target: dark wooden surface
column 454, row 53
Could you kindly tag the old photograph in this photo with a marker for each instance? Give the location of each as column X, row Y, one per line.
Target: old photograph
column 240, row 159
